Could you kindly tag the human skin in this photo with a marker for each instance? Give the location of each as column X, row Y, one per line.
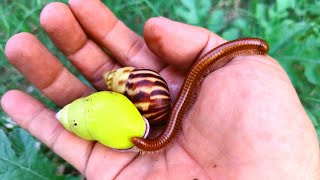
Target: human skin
column 247, row 122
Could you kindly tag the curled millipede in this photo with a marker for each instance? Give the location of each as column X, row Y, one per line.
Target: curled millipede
column 213, row 60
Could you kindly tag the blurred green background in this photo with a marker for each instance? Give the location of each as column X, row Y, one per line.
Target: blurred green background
column 290, row 26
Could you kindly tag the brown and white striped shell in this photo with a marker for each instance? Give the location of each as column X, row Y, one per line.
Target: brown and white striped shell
column 146, row 89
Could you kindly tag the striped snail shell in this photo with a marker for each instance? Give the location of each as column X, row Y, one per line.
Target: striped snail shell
column 146, row 89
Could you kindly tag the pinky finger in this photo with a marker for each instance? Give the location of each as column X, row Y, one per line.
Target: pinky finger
column 33, row 116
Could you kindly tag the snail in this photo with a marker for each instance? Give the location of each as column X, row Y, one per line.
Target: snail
column 110, row 117
column 133, row 82
column 146, row 89
column 107, row 117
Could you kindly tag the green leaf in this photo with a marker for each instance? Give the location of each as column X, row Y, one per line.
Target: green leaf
column 260, row 12
column 285, row 4
column 25, row 163
column 312, row 73
column 215, row 21
column 193, row 11
column 231, row 34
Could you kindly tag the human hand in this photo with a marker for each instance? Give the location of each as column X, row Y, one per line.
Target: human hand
column 247, row 122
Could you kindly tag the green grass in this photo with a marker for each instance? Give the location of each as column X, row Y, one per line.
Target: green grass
column 291, row 27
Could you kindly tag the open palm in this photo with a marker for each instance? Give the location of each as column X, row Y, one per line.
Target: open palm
column 247, row 121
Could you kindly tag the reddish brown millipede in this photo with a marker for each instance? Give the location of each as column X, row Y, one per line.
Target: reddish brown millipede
column 211, row 61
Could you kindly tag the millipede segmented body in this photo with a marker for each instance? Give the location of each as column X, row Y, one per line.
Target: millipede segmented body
column 211, row 61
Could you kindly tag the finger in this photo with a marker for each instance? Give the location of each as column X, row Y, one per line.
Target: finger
column 177, row 43
column 41, row 122
column 66, row 33
column 86, row 156
column 125, row 45
column 45, row 71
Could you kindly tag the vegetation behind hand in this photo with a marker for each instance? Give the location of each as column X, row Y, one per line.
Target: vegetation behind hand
column 291, row 27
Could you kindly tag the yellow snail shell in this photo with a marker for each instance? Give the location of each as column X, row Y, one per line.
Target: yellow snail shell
column 146, row 89
column 107, row 117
